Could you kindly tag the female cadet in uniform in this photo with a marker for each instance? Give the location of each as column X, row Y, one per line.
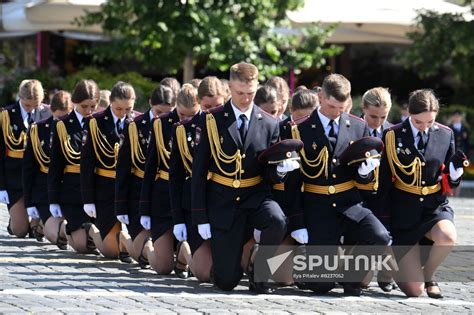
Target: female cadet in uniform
column 35, row 169
column 131, row 167
column 15, row 122
column 64, row 192
column 417, row 160
column 98, row 162
column 376, row 104
column 155, row 213
column 283, row 93
column 210, row 94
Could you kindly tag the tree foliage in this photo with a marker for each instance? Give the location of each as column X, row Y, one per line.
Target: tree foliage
column 160, row 34
column 442, row 42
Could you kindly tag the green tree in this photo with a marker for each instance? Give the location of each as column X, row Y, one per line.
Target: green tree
column 174, row 35
column 443, row 42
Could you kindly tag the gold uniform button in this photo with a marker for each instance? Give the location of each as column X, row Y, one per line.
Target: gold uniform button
column 237, row 199
column 334, row 161
column 243, row 156
column 334, row 205
column 333, row 175
column 423, row 163
column 331, row 189
column 242, row 171
column 421, row 199
column 423, row 182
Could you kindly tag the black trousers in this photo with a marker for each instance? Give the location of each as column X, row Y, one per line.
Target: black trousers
column 226, row 245
column 368, row 231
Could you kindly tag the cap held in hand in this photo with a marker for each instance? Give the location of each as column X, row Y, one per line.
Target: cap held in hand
column 280, row 151
column 359, row 151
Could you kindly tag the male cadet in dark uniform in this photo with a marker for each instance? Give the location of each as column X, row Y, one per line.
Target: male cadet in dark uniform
column 330, row 205
column 131, row 169
column 230, row 189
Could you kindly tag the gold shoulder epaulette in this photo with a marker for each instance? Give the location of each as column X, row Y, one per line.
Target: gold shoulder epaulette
column 320, row 163
column 413, row 169
column 183, row 147
column 12, row 143
column 101, row 145
column 72, row 157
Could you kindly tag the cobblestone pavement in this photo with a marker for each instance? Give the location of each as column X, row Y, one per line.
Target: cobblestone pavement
column 39, row 278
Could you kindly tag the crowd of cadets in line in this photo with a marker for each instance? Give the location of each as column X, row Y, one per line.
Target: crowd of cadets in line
column 91, row 165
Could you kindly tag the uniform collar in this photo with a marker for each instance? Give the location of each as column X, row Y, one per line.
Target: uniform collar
column 152, row 116
column 79, row 116
column 116, row 118
column 24, row 113
column 414, row 130
column 325, row 120
column 238, row 112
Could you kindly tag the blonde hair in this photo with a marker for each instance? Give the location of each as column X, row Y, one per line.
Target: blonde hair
column 281, row 87
column 187, row 96
column 211, row 86
column 244, row 72
column 378, row 97
column 31, row 90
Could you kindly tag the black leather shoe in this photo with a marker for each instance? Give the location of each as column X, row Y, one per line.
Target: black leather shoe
column 387, row 286
column 125, row 258
column 9, row 227
column 433, row 295
column 352, row 289
column 182, row 273
column 257, row 287
column 90, row 245
column 61, row 242
column 142, row 261
column 34, row 233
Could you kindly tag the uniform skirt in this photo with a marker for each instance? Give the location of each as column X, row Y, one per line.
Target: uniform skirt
column 75, row 216
column 44, row 213
column 14, row 195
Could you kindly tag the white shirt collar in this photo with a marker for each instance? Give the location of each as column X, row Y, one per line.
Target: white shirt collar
column 414, row 130
column 325, row 120
column 24, row 113
column 238, row 112
column 379, row 130
column 79, row 116
column 151, row 115
column 117, row 119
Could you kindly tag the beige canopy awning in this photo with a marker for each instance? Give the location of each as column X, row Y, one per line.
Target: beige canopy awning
column 370, row 21
column 52, row 15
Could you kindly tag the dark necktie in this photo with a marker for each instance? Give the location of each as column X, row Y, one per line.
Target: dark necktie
column 243, row 127
column 119, row 128
column 83, row 123
column 332, row 136
column 374, row 133
column 421, row 142
column 29, row 120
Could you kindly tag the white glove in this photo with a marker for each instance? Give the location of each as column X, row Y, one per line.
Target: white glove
column 55, row 210
column 205, row 231
column 123, row 218
column 368, row 166
column 287, row 165
column 145, row 221
column 256, row 235
column 455, row 173
column 89, row 208
column 4, row 197
column 33, row 212
column 180, row 232
column 301, row 236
